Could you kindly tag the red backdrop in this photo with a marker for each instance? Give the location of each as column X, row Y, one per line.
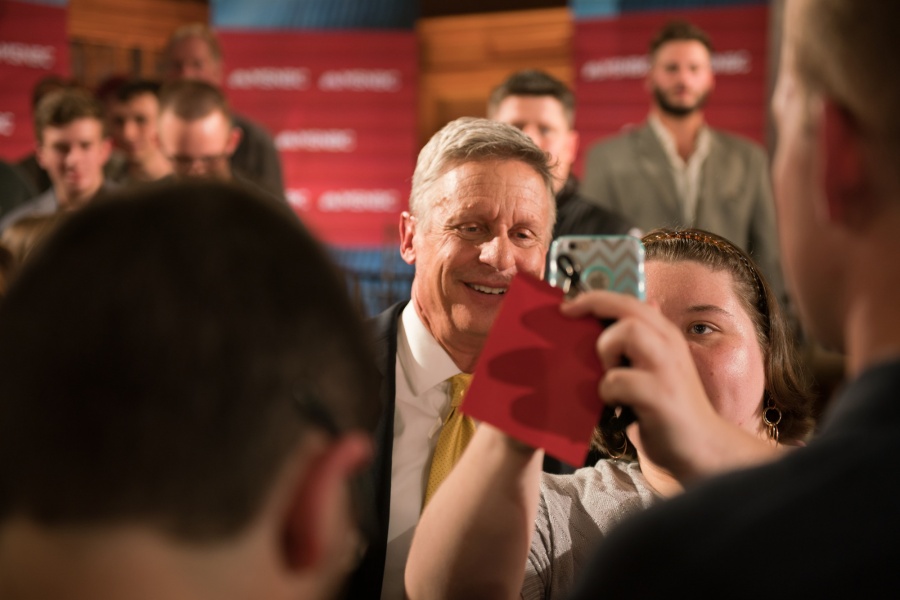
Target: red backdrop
column 342, row 109
column 611, row 61
column 33, row 44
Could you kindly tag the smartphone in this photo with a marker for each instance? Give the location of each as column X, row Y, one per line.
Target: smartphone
column 597, row 262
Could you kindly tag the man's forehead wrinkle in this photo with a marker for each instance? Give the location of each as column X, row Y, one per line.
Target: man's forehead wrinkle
column 470, row 192
column 438, row 204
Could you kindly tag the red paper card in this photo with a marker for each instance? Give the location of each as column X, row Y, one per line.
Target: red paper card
column 537, row 376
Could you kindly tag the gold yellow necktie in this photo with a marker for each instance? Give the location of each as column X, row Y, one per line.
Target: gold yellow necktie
column 458, row 429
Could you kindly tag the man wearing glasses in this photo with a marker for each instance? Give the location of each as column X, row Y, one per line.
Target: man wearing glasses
column 196, row 131
column 170, row 428
column 193, row 53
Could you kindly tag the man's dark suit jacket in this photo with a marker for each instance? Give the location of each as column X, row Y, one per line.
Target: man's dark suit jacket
column 366, row 581
column 256, row 157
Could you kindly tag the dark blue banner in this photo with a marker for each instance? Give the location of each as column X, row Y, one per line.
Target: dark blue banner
column 314, row 14
column 590, row 9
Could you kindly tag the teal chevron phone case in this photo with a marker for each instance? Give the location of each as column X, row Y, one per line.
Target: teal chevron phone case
column 598, row 262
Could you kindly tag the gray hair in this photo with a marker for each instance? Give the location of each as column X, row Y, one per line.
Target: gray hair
column 469, row 139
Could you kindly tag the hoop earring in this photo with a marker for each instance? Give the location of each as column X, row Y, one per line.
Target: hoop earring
column 771, row 418
column 621, row 452
column 613, row 440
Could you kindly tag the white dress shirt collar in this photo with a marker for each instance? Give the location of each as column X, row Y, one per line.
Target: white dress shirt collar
column 421, row 370
column 701, row 144
column 425, row 362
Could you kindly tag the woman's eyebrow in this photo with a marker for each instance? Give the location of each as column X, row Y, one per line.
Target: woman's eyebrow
column 701, row 308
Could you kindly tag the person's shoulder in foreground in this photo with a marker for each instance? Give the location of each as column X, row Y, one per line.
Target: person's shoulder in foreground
column 818, row 523
column 823, row 521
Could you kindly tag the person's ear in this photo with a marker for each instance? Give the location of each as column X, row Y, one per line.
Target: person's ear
column 234, row 138
column 105, row 149
column 407, row 233
column 847, row 192
column 319, row 529
column 570, row 151
column 154, row 132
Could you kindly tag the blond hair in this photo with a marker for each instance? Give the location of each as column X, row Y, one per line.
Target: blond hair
column 26, row 234
column 845, row 50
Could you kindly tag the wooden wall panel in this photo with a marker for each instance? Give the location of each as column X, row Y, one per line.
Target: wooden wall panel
column 110, row 37
column 144, row 23
column 463, row 58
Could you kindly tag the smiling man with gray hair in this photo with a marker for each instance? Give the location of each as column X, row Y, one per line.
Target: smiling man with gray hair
column 481, row 210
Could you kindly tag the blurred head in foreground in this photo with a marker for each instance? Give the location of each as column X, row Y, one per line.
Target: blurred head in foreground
column 186, row 402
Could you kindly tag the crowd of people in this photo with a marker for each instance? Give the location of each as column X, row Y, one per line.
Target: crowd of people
column 131, row 132
column 192, row 406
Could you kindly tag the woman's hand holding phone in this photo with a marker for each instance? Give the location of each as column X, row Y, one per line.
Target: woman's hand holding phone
column 660, row 383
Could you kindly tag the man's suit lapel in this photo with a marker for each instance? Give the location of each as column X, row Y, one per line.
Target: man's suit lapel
column 655, row 164
column 367, row 580
column 709, row 200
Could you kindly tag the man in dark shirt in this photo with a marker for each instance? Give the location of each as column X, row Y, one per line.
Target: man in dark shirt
column 196, row 132
column 544, row 108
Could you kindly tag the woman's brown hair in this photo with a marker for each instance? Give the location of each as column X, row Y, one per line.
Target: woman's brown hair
column 787, row 386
